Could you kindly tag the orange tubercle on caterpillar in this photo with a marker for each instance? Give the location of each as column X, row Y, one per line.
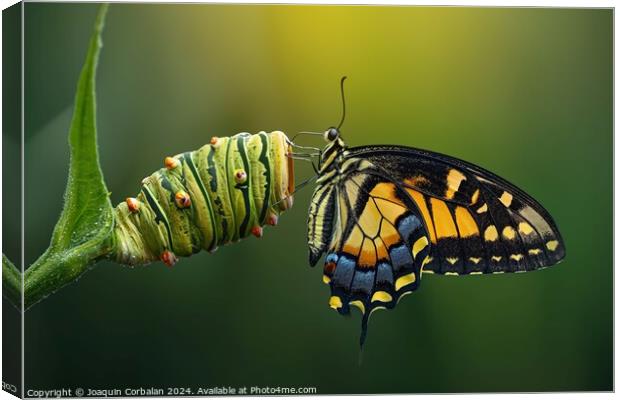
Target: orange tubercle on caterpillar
column 241, row 176
column 168, row 258
column 257, row 231
column 182, row 199
column 132, row 204
column 171, row 163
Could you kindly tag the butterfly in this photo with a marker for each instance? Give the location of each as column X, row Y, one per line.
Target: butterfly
column 383, row 215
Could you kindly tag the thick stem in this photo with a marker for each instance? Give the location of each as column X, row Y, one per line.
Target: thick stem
column 50, row 272
column 53, row 270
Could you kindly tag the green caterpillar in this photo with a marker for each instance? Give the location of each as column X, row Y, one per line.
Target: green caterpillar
column 218, row 194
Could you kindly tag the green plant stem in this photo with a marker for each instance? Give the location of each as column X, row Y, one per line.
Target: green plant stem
column 50, row 272
column 11, row 282
column 54, row 270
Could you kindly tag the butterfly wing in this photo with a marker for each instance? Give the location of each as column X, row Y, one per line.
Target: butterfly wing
column 388, row 213
column 374, row 237
column 477, row 221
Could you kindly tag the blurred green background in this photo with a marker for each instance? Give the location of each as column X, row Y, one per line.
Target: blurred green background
column 526, row 93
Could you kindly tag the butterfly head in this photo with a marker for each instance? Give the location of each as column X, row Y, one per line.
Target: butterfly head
column 331, row 134
column 333, row 149
column 334, row 141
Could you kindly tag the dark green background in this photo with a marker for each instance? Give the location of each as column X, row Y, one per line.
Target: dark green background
column 526, row 93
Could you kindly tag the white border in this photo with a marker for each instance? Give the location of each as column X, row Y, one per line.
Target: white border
column 546, row 3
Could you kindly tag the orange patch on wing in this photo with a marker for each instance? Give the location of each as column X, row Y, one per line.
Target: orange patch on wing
column 389, row 234
column 368, row 255
column 418, row 198
column 354, row 241
column 386, row 191
column 465, row 222
column 382, row 253
column 444, row 224
column 390, row 210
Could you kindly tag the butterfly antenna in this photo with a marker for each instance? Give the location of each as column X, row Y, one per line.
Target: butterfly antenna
column 344, row 109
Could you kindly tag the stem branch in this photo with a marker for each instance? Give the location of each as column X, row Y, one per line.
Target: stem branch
column 11, row 282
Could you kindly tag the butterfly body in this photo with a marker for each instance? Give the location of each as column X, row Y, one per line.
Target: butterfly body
column 383, row 215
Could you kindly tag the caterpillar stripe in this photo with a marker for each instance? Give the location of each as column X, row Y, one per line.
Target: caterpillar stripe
column 218, row 194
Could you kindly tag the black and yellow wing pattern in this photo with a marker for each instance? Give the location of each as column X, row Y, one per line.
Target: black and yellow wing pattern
column 385, row 214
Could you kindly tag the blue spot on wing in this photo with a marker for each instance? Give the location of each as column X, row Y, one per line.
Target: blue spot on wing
column 363, row 282
column 384, row 274
column 407, row 226
column 400, row 257
column 344, row 272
